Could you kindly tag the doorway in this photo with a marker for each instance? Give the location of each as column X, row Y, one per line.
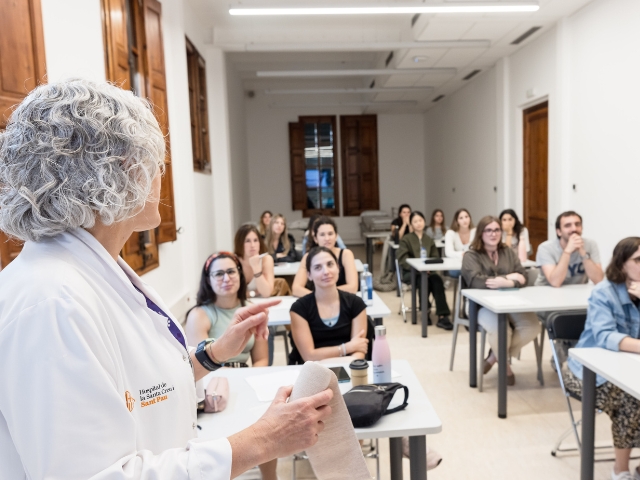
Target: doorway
column 536, row 151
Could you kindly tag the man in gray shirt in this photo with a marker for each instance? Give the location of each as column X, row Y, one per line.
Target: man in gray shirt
column 568, row 259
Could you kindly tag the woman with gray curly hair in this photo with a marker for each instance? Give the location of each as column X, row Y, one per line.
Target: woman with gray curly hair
column 98, row 380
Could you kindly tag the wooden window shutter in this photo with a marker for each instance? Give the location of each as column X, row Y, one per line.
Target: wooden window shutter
column 22, row 68
column 141, row 252
column 196, row 69
column 296, row 153
column 116, row 43
column 157, row 93
column 359, row 143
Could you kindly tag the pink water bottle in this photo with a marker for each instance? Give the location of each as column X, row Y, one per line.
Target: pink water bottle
column 381, row 357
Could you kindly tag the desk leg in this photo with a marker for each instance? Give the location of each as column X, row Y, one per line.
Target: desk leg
column 395, row 454
column 473, row 344
column 370, row 253
column 414, row 307
column 588, row 423
column 424, row 303
column 502, row 365
column 418, row 455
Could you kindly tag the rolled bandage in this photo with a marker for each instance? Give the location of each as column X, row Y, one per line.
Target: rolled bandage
column 337, row 454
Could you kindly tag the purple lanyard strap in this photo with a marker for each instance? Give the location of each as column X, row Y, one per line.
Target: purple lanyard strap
column 173, row 328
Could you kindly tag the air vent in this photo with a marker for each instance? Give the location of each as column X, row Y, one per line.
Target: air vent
column 373, row 84
column 472, row 74
column 525, row 35
column 388, row 60
column 414, row 19
column 438, row 98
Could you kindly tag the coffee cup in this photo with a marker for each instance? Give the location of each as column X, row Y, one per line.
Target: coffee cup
column 359, row 372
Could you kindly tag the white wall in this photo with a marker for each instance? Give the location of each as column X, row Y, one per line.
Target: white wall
column 400, row 165
column 583, row 68
column 461, row 150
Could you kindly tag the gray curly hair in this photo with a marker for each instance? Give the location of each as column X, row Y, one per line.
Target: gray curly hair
column 73, row 151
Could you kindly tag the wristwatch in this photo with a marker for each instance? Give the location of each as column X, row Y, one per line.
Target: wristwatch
column 203, row 357
column 586, row 256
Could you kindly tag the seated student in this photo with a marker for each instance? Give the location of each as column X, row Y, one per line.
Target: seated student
column 514, row 234
column 307, row 238
column 569, row 259
column 436, row 228
column 410, row 247
column 401, row 226
column 489, row 263
column 222, row 291
column 257, row 266
column 459, row 236
column 324, row 234
column 328, row 322
column 613, row 322
column 280, row 243
column 263, row 224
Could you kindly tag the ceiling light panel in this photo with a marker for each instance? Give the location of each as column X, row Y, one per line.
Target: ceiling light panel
column 392, row 8
column 353, row 73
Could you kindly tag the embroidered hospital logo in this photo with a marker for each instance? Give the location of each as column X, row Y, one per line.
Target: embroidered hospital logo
column 130, row 400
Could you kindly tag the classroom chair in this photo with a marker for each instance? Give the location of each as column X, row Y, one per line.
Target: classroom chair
column 283, row 331
column 402, row 287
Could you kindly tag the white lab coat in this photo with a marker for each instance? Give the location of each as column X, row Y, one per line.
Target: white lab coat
column 75, row 337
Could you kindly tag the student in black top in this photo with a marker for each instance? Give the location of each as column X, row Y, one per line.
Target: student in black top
column 325, row 234
column 401, row 225
column 280, row 243
column 327, row 323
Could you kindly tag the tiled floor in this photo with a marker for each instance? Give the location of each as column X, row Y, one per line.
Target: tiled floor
column 474, row 442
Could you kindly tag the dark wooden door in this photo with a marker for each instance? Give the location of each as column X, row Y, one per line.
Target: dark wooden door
column 22, row 68
column 536, row 151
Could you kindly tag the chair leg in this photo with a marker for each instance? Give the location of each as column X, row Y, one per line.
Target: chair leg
column 483, row 337
column 539, row 349
column 454, row 339
column 377, row 461
column 286, row 345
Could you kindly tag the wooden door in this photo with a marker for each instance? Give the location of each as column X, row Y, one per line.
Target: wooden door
column 359, row 143
column 536, row 150
column 22, row 68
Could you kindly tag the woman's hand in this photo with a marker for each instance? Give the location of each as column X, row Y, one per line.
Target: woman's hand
column 499, row 282
column 256, row 263
column 634, row 289
column 247, row 321
column 358, row 344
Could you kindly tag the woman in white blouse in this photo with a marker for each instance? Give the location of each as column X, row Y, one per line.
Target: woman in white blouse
column 459, row 236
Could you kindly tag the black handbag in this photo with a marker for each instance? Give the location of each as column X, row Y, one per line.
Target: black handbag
column 367, row 403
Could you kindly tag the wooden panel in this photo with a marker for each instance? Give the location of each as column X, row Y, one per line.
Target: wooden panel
column 297, row 165
column 536, row 133
column 157, row 91
column 117, row 43
column 22, row 68
column 196, row 70
column 141, row 252
column 359, row 139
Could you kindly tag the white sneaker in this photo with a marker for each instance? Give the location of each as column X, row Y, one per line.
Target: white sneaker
column 622, row 475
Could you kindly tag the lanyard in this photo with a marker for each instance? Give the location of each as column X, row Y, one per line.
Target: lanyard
column 173, row 328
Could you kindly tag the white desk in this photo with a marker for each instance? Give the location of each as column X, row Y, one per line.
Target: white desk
column 619, row 368
column 416, row 421
column 279, row 315
column 285, row 269
column 368, row 237
column 529, row 299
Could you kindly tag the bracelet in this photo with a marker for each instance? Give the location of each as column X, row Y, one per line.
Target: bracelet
column 343, row 350
column 256, row 275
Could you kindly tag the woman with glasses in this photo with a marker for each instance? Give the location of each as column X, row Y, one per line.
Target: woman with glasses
column 489, row 263
column 222, row 291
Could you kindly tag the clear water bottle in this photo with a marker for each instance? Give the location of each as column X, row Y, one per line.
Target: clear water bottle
column 366, row 286
column 423, row 253
column 381, row 357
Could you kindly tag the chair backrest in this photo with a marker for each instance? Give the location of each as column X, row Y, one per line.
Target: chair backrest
column 461, row 300
column 566, row 325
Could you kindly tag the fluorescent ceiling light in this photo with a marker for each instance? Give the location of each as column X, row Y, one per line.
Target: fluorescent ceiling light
column 357, row 46
column 355, row 73
column 312, row 91
column 344, row 104
column 489, row 7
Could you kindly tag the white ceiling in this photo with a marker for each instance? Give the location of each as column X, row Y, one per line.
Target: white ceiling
column 353, row 42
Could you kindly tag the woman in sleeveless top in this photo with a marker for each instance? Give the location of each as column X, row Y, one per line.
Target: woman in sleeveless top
column 325, row 234
column 329, row 322
column 222, row 291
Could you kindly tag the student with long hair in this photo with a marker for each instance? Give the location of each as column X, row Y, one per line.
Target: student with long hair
column 437, row 229
column 613, row 322
column 307, row 238
column 263, row 224
column 514, row 234
column 327, row 322
column 459, row 236
column 401, row 225
column 324, row 234
column 410, row 247
column 222, row 291
column 489, row 263
column 279, row 242
column 257, row 266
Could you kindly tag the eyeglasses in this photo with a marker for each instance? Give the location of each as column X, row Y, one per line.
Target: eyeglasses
column 218, row 275
column 494, row 231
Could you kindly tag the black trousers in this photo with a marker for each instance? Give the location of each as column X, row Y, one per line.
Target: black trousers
column 436, row 288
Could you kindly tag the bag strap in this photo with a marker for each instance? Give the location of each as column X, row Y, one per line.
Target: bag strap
column 405, row 402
